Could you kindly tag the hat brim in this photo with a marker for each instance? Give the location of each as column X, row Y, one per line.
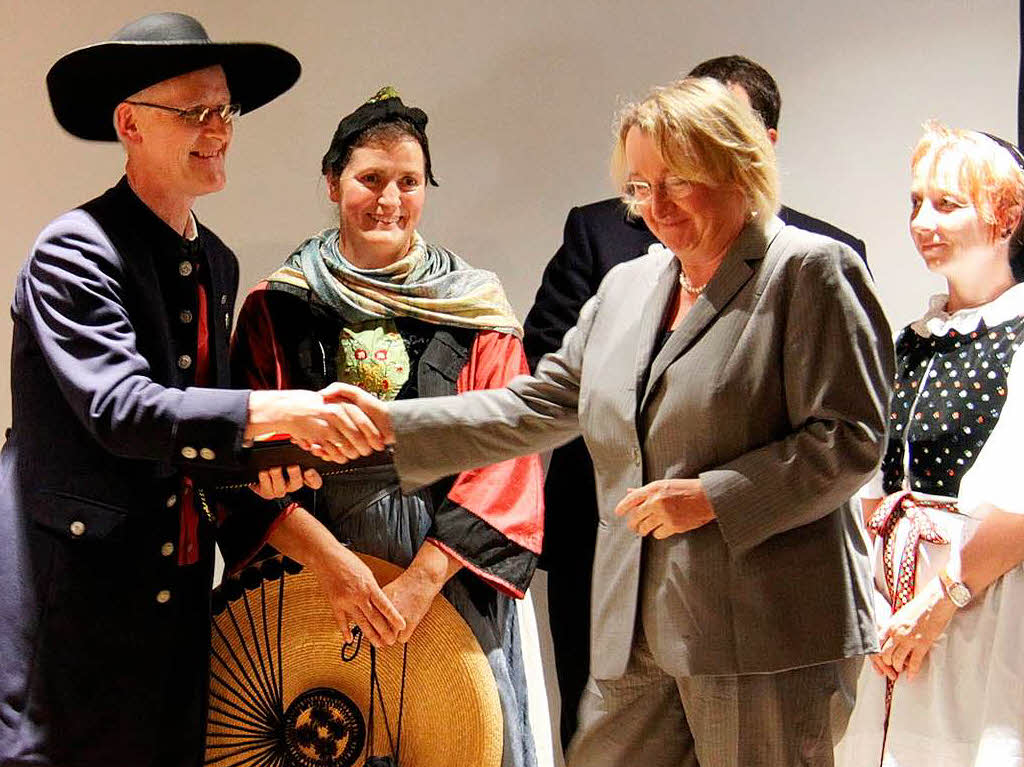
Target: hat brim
column 277, row 612
column 88, row 83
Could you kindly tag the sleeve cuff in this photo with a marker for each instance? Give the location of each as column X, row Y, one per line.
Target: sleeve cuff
column 209, row 429
column 509, row 588
column 741, row 531
column 484, row 550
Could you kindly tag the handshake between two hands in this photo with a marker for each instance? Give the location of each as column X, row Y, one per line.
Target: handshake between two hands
column 351, row 423
column 339, row 423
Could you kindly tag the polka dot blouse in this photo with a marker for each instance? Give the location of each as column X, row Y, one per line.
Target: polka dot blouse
column 949, row 392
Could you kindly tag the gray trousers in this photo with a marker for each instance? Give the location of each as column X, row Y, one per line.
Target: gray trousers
column 752, row 720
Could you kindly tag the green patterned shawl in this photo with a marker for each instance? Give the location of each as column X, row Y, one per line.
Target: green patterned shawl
column 428, row 283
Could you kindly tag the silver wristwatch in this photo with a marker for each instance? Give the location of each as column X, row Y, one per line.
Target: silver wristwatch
column 957, row 591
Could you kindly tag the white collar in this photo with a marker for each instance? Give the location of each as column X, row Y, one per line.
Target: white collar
column 191, row 228
column 938, row 322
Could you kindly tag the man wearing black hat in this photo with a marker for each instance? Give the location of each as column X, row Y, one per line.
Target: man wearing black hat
column 122, row 315
column 597, row 237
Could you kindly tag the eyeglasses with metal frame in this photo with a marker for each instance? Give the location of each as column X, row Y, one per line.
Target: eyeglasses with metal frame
column 641, row 192
column 197, row 115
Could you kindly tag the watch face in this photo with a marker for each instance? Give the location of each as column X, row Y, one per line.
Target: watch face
column 958, row 594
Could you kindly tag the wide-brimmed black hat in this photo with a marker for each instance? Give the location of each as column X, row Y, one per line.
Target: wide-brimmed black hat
column 86, row 84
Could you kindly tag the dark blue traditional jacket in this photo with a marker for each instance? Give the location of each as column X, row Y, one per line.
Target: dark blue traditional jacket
column 104, row 636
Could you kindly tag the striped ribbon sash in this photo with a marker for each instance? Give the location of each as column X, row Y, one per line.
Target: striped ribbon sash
column 900, row 579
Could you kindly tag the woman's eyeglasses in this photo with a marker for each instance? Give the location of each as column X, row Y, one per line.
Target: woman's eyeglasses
column 641, row 192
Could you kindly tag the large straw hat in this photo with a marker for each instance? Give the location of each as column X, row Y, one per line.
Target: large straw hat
column 280, row 688
column 86, row 84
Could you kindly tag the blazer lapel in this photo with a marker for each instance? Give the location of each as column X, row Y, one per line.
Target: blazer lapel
column 663, row 280
column 732, row 275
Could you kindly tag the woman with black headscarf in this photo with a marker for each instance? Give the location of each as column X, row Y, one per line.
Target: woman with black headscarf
column 371, row 303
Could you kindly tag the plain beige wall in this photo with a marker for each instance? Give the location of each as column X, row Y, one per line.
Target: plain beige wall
column 521, row 97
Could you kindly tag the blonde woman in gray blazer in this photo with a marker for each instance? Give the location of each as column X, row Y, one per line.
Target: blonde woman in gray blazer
column 732, row 387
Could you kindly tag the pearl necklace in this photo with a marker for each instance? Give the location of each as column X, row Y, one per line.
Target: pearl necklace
column 689, row 287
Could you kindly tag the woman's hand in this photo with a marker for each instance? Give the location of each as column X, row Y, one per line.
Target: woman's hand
column 281, row 480
column 909, row 635
column 347, row 582
column 356, row 599
column 413, row 591
column 412, row 596
column 666, row 507
column 868, row 507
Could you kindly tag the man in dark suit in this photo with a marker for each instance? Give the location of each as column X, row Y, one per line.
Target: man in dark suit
column 597, row 237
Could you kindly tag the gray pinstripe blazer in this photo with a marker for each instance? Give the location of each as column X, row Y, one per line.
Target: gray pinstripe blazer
column 773, row 391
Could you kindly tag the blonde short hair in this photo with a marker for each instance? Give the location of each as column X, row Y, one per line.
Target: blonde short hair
column 988, row 174
column 707, row 134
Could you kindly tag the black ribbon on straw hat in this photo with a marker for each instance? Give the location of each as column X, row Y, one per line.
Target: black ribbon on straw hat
column 86, row 84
